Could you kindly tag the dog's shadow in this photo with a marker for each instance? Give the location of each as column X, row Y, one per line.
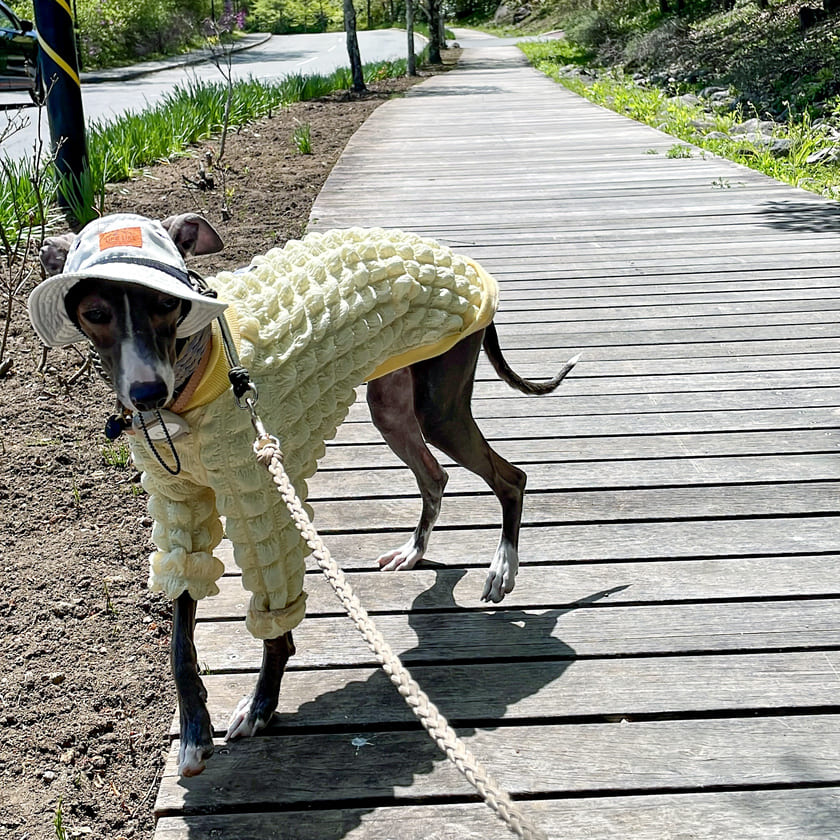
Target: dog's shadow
column 362, row 770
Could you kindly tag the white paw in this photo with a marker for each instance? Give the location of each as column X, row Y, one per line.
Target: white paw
column 192, row 759
column 401, row 559
column 502, row 575
column 241, row 725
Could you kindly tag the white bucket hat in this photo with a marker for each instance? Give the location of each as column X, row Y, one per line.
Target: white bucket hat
column 125, row 248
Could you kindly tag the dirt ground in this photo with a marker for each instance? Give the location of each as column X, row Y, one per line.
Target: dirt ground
column 86, row 698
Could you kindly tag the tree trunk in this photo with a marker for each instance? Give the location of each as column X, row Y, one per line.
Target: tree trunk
column 353, row 46
column 409, row 28
column 434, row 31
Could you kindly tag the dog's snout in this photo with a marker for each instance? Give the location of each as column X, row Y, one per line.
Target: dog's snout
column 149, row 396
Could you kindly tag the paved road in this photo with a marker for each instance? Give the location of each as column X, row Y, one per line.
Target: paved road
column 279, row 56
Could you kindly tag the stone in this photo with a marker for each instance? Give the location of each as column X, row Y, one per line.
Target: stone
column 829, row 154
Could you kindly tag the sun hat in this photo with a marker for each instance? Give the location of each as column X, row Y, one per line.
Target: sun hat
column 126, row 248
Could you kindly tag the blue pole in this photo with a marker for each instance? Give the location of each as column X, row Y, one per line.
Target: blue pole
column 60, row 74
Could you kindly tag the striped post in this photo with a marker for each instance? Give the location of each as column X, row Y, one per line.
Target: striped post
column 60, row 72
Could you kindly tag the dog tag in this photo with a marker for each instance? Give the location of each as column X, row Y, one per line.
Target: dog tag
column 154, row 421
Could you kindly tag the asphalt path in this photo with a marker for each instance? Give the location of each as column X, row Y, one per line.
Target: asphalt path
column 108, row 95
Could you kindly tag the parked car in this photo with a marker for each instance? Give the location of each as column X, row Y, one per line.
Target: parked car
column 18, row 54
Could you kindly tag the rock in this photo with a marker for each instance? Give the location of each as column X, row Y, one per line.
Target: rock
column 755, row 125
column 703, row 126
column 780, row 147
column 685, row 99
column 830, row 154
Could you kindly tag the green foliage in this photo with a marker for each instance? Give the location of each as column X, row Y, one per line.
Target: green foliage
column 652, row 106
column 58, row 823
column 116, row 454
column 284, row 16
column 194, row 111
column 302, row 139
column 117, row 31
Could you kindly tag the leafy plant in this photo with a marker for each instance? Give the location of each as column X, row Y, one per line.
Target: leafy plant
column 58, row 823
column 301, row 138
column 116, row 454
column 678, row 151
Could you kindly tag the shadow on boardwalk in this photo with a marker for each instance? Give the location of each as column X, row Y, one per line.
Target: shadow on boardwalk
column 388, row 762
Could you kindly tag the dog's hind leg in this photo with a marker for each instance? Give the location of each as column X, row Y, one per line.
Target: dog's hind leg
column 196, row 730
column 442, row 401
column 391, row 402
column 254, row 712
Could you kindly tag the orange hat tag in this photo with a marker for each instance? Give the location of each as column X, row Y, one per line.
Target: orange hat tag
column 130, row 237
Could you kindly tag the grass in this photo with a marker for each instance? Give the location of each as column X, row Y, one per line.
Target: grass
column 301, row 137
column 693, row 123
column 116, row 454
column 192, row 112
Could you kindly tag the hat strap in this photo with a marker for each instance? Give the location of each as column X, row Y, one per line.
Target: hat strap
column 177, row 273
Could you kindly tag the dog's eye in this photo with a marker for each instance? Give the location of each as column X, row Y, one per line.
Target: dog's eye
column 96, row 315
column 165, row 305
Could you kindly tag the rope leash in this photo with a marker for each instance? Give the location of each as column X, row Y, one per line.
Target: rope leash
column 268, row 453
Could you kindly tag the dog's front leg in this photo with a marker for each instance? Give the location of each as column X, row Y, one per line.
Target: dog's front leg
column 254, row 711
column 196, row 730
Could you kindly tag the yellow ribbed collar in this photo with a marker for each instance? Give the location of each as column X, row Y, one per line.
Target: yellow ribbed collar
column 214, row 381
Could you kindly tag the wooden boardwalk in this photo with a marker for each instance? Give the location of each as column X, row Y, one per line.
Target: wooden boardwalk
column 669, row 663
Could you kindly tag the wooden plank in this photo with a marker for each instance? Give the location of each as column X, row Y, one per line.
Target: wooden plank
column 547, row 587
column 563, row 452
column 805, row 814
column 560, row 632
column 569, row 404
column 682, row 422
column 528, row 759
column 390, row 483
column 578, row 506
column 582, row 381
column 602, row 541
column 608, row 689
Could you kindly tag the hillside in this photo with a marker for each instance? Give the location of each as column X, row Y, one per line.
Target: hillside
column 762, row 54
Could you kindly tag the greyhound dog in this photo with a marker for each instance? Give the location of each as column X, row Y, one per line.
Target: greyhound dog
column 150, row 327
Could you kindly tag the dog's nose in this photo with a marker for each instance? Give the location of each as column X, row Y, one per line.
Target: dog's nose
column 149, row 396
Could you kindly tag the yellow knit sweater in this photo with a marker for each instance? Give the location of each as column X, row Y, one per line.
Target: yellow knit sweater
column 316, row 319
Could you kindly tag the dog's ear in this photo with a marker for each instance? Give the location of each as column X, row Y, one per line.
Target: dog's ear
column 193, row 234
column 54, row 252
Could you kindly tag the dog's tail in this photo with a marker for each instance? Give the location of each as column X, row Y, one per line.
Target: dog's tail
column 505, row 372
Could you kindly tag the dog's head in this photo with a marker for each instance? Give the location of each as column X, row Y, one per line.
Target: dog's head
column 122, row 283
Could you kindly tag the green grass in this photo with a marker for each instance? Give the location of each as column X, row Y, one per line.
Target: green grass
column 119, row 149
column 301, row 138
column 652, row 106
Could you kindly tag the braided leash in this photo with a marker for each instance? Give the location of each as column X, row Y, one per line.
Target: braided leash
column 269, row 454
column 267, row 450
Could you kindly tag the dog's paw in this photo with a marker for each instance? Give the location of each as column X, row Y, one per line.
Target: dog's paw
column 244, row 722
column 192, row 758
column 400, row 559
column 502, row 575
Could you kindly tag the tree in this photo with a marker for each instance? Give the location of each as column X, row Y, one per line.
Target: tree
column 409, row 28
column 434, row 31
column 353, row 46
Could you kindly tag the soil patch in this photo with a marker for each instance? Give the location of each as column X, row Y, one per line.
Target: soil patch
column 86, row 697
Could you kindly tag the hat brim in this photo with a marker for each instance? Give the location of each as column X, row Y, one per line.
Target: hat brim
column 50, row 319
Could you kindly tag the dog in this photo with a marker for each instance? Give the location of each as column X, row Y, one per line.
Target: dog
column 123, row 285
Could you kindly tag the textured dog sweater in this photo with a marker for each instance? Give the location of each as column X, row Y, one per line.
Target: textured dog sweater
column 315, row 318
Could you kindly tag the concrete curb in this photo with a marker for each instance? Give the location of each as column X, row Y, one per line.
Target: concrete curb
column 134, row 71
